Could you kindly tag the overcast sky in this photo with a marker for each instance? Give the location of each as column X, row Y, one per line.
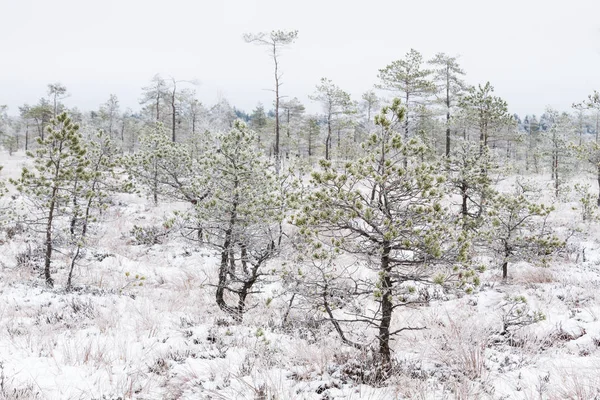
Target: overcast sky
column 534, row 52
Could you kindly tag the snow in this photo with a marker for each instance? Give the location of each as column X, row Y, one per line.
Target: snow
column 166, row 339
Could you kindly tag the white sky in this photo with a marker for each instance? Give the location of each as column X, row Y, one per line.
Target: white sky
column 535, row 52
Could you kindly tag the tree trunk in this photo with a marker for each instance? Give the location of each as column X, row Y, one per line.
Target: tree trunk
column 73, row 261
column 157, row 106
column 505, row 263
column 556, row 182
column 328, row 140
column 123, row 133
column 448, row 134
column 464, row 208
column 387, row 307
column 224, row 268
column 598, row 178
column 194, row 125
column 41, row 129
column 482, row 137
column 173, row 110
column 75, row 214
column 243, row 293
column 155, row 186
column 287, row 312
column 277, row 165
column 27, row 136
column 447, row 112
column 48, row 254
column 406, row 117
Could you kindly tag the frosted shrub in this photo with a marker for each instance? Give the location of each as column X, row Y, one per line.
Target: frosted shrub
column 587, row 202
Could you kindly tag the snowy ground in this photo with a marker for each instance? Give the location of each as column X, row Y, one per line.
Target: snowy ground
column 143, row 324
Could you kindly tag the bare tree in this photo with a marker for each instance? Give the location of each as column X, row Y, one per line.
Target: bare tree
column 175, row 100
column 274, row 41
column 57, row 91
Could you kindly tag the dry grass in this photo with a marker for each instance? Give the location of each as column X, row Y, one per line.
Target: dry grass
column 576, row 385
column 533, row 275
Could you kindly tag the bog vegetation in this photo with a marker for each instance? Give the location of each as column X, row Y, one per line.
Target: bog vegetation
column 377, row 205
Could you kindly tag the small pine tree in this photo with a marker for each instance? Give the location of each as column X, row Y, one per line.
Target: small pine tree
column 59, row 163
column 164, row 168
column 518, row 228
column 469, row 176
column 241, row 215
column 94, row 184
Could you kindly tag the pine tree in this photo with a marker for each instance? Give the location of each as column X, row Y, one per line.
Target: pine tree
column 312, row 134
column 557, row 136
column 154, row 97
column 408, row 78
column 590, row 152
column 292, row 112
column 240, row 217
column 469, row 177
column 109, row 115
column 593, row 103
column 94, row 184
column 57, row 91
column 517, row 228
column 370, row 105
column 164, row 168
column 388, row 211
column 488, row 111
column 447, row 75
column 41, row 114
column 259, row 122
column 193, row 112
column 336, row 104
column 59, row 163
